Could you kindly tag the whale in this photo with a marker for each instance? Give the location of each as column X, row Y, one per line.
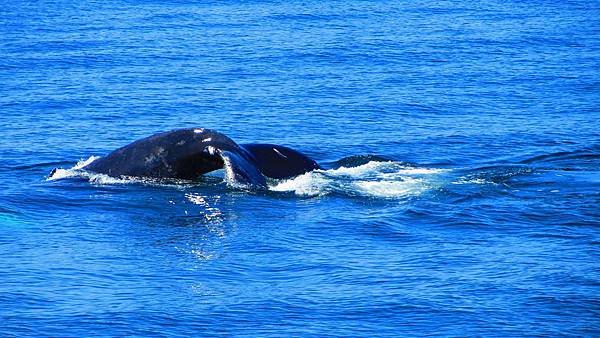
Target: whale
column 189, row 153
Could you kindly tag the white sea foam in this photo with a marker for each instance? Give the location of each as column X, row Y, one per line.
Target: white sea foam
column 466, row 180
column 392, row 189
column 373, row 179
column 94, row 178
column 61, row 173
column 310, row 184
column 362, row 170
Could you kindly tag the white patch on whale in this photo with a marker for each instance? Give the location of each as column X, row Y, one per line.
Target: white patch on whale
column 280, row 154
column 155, row 156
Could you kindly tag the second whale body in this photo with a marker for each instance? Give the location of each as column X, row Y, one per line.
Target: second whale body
column 190, row 153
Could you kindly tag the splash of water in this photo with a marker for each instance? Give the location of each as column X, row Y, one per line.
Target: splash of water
column 373, row 179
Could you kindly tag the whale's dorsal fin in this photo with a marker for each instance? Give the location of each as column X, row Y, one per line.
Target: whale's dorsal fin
column 240, row 171
column 279, row 162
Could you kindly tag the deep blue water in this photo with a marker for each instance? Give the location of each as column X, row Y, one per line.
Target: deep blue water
column 485, row 221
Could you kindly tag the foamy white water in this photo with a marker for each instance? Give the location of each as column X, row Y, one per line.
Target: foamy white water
column 75, row 171
column 94, row 178
column 373, row 179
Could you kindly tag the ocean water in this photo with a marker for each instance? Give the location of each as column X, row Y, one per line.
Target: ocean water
column 460, row 195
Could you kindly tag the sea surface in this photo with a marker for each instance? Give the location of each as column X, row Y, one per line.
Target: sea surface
column 460, row 195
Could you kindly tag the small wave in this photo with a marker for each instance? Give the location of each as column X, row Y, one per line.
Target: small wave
column 467, row 180
column 39, row 165
column 493, row 175
column 373, row 179
column 357, row 160
column 575, row 156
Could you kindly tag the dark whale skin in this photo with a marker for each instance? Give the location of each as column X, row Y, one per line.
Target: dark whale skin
column 189, row 153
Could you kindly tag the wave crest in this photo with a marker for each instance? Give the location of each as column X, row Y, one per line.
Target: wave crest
column 373, row 179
